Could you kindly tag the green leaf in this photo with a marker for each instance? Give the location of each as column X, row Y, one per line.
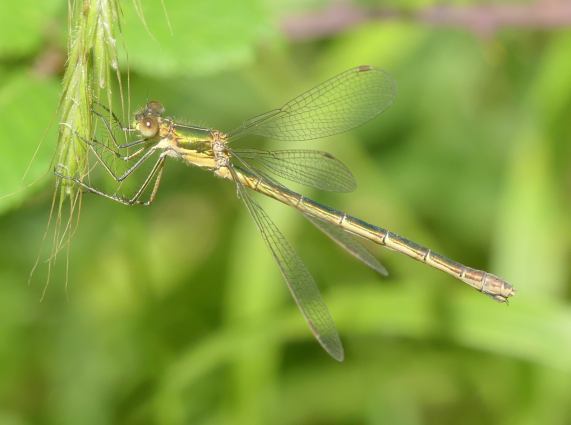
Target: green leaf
column 550, row 92
column 24, row 24
column 207, row 36
column 28, row 122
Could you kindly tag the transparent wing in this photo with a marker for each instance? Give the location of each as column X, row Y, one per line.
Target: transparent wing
column 308, row 167
column 350, row 244
column 337, row 105
column 300, row 282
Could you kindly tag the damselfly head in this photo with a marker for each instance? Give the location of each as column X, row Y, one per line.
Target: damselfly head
column 147, row 120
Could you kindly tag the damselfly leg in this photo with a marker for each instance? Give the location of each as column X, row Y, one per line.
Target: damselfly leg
column 119, row 151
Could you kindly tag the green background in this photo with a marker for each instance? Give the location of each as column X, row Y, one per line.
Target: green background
column 176, row 314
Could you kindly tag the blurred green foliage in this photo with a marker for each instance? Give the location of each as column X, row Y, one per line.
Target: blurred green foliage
column 176, row 314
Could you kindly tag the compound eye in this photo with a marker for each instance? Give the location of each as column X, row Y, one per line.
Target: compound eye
column 149, row 127
column 155, row 108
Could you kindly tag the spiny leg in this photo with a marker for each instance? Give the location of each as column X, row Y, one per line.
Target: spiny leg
column 120, row 178
column 114, row 117
column 94, row 142
column 111, row 134
column 109, row 128
column 153, row 194
column 118, row 147
column 118, row 122
column 131, row 169
column 156, row 170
